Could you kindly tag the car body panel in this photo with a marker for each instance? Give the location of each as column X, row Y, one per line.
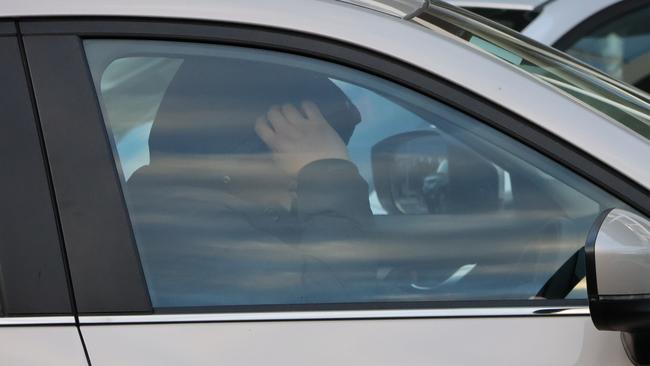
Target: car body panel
column 40, row 344
column 404, row 9
column 525, row 5
column 454, row 341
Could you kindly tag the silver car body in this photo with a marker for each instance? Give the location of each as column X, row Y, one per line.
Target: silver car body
column 526, row 5
column 474, row 336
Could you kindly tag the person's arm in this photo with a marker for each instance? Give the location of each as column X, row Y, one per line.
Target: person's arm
column 334, row 212
column 331, row 190
column 307, row 148
column 331, row 200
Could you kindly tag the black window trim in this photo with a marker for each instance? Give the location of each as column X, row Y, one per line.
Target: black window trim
column 597, row 20
column 7, row 28
column 33, row 280
column 52, row 34
column 104, row 264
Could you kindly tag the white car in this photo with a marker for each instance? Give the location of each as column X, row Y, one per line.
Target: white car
column 610, row 35
column 358, row 182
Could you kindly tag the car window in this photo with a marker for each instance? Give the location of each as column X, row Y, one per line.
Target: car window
column 620, row 47
column 255, row 177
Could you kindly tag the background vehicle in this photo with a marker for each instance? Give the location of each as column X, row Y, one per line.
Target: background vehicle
column 515, row 132
column 610, row 35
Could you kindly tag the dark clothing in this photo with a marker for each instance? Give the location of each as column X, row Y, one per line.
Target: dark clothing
column 212, row 104
column 201, row 245
column 203, row 235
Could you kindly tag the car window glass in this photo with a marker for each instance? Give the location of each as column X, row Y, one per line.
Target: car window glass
column 621, row 48
column 255, row 177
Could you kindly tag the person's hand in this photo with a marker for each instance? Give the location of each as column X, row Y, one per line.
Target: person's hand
column 297, row 139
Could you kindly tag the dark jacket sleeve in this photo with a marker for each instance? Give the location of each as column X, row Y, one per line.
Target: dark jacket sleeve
column 332, row 191
column 334, row 212
column 200, row 246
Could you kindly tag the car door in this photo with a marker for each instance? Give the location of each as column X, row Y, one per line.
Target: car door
column 436, row 236
column 37, row 324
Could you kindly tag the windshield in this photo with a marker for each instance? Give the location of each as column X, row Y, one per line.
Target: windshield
column 622, row 103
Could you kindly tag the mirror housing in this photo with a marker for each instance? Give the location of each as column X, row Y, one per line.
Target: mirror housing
column 409, row 171
column 618, row 279
column 425, row 172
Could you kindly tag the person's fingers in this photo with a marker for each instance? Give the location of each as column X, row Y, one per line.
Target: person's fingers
column 293, row 115
column 312, row 112
column 264, row 131
column 277, row 120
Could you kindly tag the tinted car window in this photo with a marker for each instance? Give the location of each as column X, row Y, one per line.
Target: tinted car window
column 620, row 47
column 256, row 177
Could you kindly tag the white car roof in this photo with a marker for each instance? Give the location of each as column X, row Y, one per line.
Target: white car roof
column 438, row 53
column 561, row 16
column 498, row 4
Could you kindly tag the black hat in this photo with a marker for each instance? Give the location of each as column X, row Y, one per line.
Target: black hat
column 211, row 105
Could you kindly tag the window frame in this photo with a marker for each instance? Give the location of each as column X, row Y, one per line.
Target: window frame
column 34, row 280
column 109, row 291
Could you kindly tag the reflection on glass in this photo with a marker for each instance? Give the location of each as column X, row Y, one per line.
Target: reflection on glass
column 240, row 193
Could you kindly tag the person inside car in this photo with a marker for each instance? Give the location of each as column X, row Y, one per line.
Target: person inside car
column 249, row 191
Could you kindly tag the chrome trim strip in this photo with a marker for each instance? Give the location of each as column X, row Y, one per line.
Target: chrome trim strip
column 37, row 320
column 335, row 315
column 625, row 297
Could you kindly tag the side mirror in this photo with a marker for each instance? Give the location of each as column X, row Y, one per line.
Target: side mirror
column 424, row 172
column 409, row 172
column 618, row 279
